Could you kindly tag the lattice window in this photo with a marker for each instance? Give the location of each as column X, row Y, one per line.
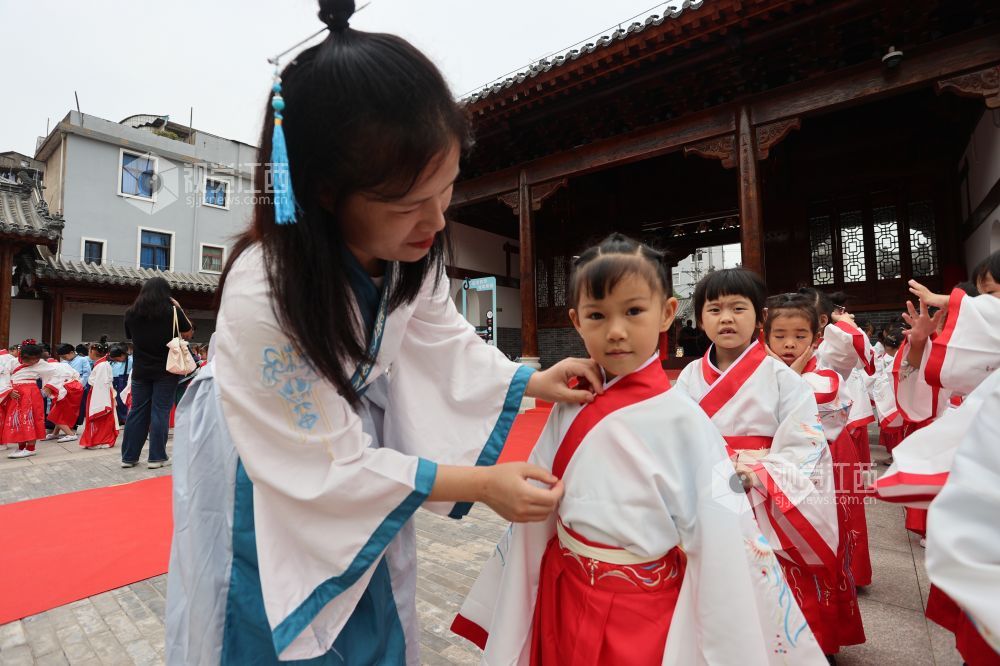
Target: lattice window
column 852, row 246
column 886, row 242
column 541, row 284
column 821, row 245
column 923, row 239
column 559, row 281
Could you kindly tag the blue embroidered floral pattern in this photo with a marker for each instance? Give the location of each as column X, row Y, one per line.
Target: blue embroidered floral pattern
column 284, row 370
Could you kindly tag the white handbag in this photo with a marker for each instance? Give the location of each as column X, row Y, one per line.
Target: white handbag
column 179, row 359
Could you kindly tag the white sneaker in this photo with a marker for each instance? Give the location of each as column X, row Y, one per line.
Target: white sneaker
column 101, row 446
column 67, row 438
column 49, row 437
column 923, row 543
column 4, row 447
column 23, row 453
column 157, row 464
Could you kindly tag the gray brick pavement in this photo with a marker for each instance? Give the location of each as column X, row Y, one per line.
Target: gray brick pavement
column 125, row 626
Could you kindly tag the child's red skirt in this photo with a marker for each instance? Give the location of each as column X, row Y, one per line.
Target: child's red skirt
column 24, row 417
column 101, row 429
column 591, row 613
column 65, row 412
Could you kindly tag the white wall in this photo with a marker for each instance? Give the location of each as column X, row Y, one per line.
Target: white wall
column 984, row 241
column 25, row 320
column 483, row 251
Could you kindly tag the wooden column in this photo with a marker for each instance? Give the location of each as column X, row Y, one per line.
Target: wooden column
column 58, row 301
column 751, row 222
column 529, row 314
column 6, row 280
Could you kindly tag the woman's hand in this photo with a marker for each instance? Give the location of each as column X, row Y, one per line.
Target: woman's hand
column 553, row 384
column 927, row 296
column 922, row 325
column 508, row 492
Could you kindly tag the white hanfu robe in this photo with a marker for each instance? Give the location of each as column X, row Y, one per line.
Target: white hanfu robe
column 292, row 536
column 963, row 539
column 63, row 373
column 646, row 472
column 759, row 397
column 955, row 362
column 844, row 348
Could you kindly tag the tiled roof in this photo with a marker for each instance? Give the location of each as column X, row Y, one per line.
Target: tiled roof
column 24, row 214
column 675, row 9
column 122, row 276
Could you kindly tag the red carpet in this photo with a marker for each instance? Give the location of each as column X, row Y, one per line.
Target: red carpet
column 67, row 547
column 524, row 433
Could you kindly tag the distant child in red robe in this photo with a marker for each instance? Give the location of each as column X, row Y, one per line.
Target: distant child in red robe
column 100, row 429
column 21, row 402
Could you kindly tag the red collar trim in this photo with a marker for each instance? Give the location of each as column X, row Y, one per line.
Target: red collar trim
column 733, row 379
column 629, row 390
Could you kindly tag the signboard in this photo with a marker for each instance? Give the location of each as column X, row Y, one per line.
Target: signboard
column 479, row 305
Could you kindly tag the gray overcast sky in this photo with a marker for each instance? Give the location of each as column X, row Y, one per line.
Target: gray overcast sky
column 126, row 57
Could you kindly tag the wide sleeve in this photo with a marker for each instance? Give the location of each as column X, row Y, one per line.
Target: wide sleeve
column 734, row 599
column 101, row 392
column 846, row 347
column 497, row 613
column 916, row 399
column 884, row 395
column 453, row 397
column 794, row 497
column 325, row 502
column 968, row 348
column 963, row 544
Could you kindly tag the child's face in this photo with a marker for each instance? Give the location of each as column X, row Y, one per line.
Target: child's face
column 790, row 337
column 729, row 321
column 987, row 285
column 622, row 330
column 403, row 229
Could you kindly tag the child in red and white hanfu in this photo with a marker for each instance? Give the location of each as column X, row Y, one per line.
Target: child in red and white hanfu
column 100, row 429
column 66, row 392
column 23, row 407
column 654, row 557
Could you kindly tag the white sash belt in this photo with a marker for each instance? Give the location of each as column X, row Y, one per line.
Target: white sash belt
column 618, row 556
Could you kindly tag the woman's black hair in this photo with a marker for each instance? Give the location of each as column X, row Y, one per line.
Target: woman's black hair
column 788, row 305
column 730, row 282
column 988, row 266
column 153, row 299
column 102, row 346
column 364, row 113
column 30, row 350
column 64, row 348
column 598, row 270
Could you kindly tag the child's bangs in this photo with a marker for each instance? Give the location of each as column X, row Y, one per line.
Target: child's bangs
column 599, row 277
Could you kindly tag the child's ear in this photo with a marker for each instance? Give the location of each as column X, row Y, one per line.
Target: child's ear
column 669, row 312
column 574, row 317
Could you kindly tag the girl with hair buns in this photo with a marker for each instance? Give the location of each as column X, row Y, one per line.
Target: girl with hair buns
column 23, row 406
column 345, row 390
column 100, row 429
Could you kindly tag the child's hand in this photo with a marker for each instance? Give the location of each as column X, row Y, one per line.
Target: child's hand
column 747, row 476
column 922, row 325
column 927, row 296
column 15, row 395
column 48, row 392
column 554, row 384
column 508, row 492
column 843, row 316
column 800, row 363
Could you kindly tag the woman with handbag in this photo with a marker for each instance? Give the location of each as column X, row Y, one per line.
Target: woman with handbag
column 158, row 329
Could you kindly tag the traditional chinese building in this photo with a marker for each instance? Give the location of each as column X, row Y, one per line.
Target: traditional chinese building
column 850, row 144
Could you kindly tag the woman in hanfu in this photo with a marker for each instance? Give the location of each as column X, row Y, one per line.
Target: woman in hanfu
column 344, row 390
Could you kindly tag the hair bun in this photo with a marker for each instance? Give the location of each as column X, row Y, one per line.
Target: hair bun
column 336, row 14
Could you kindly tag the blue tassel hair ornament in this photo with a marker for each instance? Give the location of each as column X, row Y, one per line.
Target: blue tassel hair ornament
column 285, row 206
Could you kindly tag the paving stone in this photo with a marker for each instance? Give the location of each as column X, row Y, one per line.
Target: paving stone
column 89, row 618
column 108, row 649
column 41, row 636
column 16, row 655
column 122, row 627
column 142, row 653
column 51, row 659
column 12, row 635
